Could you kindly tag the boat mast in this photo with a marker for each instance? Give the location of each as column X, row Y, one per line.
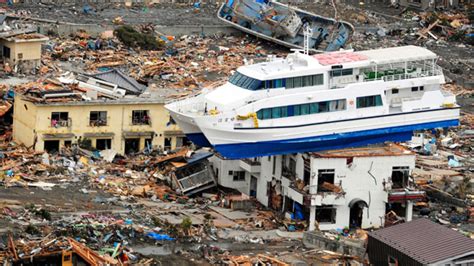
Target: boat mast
column 308, row 32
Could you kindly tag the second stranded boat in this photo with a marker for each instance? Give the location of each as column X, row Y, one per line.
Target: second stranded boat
column 314, row 102
column 285, row 25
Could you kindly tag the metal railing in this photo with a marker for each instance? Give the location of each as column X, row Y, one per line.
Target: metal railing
column 436, row 71
column 61, row 123
column 98, row 123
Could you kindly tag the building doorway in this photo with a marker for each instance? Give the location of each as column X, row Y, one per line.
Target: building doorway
column 253, row 186
column 51, row 146
column 355, row 216
column 132, row 146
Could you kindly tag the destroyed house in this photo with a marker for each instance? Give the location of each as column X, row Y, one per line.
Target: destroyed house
column 22, row 51
column 115, row 76
column 192, row 174
column 419, row 242
column 50, row 119
column 331, row 189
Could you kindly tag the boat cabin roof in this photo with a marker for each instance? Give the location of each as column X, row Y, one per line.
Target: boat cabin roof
column 299, row 64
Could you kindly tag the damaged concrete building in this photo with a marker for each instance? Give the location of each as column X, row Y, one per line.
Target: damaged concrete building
column 331, row 189
column 52, row 119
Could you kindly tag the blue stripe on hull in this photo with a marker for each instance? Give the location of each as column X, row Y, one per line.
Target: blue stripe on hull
column 199, row 139
column 327, row 142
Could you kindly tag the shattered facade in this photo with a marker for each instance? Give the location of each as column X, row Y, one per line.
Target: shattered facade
column 22, row 52
column 333, row 189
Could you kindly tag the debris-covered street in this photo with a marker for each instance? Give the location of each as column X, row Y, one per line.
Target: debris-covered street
column 101, row 162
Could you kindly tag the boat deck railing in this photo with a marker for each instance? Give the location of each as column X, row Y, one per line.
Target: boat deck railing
column 435, row 71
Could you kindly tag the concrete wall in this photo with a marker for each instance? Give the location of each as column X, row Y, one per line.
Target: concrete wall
column 119, row 120
column 24, row 54
column 357, row 183
column 24, row 122
column 226, row 180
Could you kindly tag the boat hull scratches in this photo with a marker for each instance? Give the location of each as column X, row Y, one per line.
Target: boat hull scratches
column 327, row 142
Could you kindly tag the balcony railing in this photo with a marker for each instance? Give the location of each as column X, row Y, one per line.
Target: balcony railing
column 141, row 121
column 98, row 123
column 61, row 123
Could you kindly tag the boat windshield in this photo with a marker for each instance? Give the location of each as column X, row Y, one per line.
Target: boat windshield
column 243, row 81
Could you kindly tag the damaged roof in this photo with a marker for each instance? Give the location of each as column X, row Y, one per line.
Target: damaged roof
column 370, row 151
column 425, row 241
column 116, row 76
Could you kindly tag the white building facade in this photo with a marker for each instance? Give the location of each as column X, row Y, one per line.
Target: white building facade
column 330, row 190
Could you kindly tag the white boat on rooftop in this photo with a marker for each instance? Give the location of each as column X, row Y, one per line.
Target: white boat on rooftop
column 316, row 102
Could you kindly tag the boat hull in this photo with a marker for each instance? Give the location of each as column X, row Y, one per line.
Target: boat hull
column 342, row 38
column 188, row 126
column 327, row 142
column 248, row 142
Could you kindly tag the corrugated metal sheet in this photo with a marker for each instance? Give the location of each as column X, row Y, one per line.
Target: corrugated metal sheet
column 123, row 81
column 425, row 241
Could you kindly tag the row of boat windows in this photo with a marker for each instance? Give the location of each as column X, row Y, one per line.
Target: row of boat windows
column 243, row 81
column 317, row 107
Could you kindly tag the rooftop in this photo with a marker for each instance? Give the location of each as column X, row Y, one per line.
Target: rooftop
column 425, row 241
column 371, row 151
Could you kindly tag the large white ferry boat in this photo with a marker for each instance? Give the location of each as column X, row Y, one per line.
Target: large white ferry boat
column 315, row 102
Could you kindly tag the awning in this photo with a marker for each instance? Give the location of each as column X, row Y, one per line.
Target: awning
column 132, row 134
column 58, row 136
column 173, row 133
column 99, row 135
column 358, row 201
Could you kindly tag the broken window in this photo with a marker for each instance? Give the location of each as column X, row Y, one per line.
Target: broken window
column 326, row 214
column 51, row 146
column 148, row 144
column 6, row 52
column 238, row 175
column 325, row 176
column 103, row 144
column 400, row 175
column 141, row 117
column 60, row 119
column 167, row 143
column 274, row 165
column 98, row 118
column 292, row 166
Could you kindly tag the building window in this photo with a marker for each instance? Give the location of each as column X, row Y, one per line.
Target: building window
column 141, row 117
column 420, row 88
column 304, row 81
column 274, row 165
column 20, row 56
column 326, row 214
column 98, row 118
column 325, row 176
column 6, row 52
column 103, row 144
column 369, row 101
column 394, row 91
column 341, row 72
column 60, row 119
column 238, row 175
column 400, row 175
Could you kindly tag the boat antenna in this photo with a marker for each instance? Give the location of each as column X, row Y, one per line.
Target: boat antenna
column 308, row 32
